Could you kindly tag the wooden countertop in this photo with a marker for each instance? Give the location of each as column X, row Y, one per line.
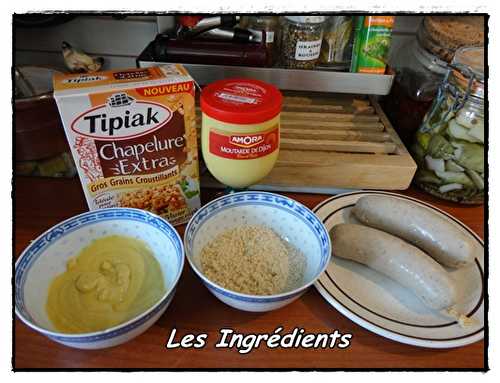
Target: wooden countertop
column 41, row 203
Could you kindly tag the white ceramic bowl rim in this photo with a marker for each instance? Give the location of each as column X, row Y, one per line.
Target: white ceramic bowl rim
column 273, row 200
column 33, row 251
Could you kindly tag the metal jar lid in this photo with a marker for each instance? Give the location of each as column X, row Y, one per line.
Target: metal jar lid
column 306, row 19
column 467, row 70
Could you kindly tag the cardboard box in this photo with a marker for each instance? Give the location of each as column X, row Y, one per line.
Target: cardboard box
column 133, row 138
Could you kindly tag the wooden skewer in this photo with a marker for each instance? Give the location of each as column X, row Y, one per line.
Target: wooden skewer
column 338, row 146
column 334, row 125
column 331, row 110
column 339, row 135
column 327, row 108
column 330, row 125
column 307, row 107
column 328, row 116
column 327, row 134
column 337, row 99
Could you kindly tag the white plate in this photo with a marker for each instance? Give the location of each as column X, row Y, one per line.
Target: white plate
column 384, row 307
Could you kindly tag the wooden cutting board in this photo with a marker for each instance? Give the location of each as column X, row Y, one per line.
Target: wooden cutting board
column 332, row 142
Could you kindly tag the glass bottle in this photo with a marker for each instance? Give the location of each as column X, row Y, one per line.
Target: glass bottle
column 268, row 25
column 336, row 49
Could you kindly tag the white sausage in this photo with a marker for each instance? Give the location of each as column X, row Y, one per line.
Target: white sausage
column 420, row 226
column 396, row 259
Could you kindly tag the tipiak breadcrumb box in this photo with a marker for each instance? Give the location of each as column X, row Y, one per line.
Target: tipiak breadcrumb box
column 133, row 137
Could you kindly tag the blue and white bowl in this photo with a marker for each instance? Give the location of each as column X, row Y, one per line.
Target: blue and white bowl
column 47, row 256
column 288, row 218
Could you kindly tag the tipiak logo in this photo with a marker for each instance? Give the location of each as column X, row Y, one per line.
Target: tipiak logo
column 121, row 118
column 247, row 141
column 84, row 79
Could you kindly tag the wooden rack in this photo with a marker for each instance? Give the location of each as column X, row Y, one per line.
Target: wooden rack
column 337, row 142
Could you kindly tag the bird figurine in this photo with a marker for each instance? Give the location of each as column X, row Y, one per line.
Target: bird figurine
column 78, row 61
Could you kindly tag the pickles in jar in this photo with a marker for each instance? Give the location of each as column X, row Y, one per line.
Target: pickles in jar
column 449, row 146
column 450, row 154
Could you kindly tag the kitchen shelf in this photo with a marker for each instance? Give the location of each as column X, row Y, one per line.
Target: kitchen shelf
column 291, row 79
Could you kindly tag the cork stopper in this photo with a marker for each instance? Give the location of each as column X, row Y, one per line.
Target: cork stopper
column 443, row 35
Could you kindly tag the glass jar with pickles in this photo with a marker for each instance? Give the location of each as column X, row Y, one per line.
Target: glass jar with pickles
column 449, row 145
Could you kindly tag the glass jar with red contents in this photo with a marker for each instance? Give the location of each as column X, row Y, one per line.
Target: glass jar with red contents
column 418, row 75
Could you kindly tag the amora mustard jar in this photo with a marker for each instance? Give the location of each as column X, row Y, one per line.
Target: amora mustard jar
column 240, row 130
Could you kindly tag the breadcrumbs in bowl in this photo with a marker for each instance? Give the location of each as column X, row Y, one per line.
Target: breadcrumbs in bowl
column 252, row 260
column 256, row 251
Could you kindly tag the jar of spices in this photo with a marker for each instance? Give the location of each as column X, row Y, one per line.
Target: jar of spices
column 449, row 145
column 268, row 26
column 301, row 38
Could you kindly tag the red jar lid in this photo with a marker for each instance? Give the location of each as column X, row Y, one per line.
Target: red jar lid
column 241, row 101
